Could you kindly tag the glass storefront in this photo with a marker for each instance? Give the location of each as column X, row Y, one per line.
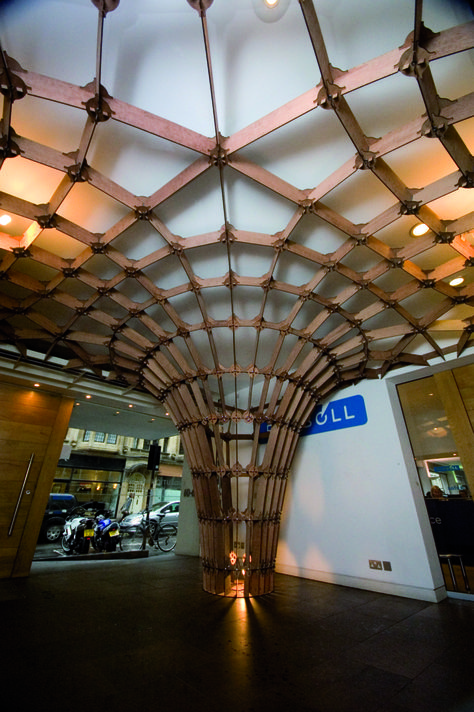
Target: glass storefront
column 87, row 485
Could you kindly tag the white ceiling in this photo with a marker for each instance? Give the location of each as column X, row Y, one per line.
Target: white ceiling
column 100, row 290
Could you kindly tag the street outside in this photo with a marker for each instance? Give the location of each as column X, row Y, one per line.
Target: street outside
column 130, row 544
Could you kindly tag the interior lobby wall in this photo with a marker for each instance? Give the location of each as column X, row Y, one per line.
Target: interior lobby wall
column 32, row 429
column 353, row 497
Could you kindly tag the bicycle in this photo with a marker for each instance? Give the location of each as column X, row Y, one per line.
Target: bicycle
column 163, row 536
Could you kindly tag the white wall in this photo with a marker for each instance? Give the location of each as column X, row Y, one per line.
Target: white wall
column 352, row 497
column 188, row 531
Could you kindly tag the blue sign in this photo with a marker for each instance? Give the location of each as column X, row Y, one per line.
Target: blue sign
column 445, row 468
column 336, row 415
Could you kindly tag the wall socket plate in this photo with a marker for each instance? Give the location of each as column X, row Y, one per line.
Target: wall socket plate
column 374, row 564
column 380, row 565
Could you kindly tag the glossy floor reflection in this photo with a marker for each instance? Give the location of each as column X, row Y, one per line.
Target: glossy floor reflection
column 141, row 634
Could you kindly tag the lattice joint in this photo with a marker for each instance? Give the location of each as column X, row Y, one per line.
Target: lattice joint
column 46, row 221
column 21, row 252
column 78, row 172
column 445, row 238
column 466, row 180
column 98, row 109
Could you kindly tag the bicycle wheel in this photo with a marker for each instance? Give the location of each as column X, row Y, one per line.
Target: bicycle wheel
column 132, row 541
column 166, row 537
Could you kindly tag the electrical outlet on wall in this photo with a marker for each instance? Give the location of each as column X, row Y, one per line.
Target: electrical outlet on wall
column 374, row 564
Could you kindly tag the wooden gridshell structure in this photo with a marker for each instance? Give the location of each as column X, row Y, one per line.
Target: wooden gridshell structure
column 373, row 301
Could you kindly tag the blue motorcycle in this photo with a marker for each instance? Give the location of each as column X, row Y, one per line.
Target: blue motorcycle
column 106, row 533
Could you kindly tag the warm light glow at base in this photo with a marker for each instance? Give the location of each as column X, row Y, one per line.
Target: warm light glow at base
column 237, row 589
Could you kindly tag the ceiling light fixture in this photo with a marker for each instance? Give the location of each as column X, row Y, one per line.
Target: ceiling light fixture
column 88, row 396
column 270, row 10
column 419, row 229
column 5, row 220
column 456, row 281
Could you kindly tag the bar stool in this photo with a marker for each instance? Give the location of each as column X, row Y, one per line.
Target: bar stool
column 448, row 558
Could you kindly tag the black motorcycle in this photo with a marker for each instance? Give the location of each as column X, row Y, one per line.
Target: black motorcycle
column 106, row 533
column 78, row 531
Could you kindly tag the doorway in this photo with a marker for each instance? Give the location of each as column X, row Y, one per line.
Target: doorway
column 439, row 416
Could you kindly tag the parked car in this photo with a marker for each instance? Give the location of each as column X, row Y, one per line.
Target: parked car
column 57, row 510
column 160, row 512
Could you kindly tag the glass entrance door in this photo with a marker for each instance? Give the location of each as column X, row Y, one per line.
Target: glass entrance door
column 439, row 414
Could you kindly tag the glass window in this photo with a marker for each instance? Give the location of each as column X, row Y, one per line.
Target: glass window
column 98, row 485
column 431, row 438
column 86, row 436
column 99, row 437
column 112, row 438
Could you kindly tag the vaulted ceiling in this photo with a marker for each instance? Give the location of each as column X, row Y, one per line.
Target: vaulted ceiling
column 225, row 190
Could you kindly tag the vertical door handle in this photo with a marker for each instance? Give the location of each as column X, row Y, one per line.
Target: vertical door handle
column 17, row 507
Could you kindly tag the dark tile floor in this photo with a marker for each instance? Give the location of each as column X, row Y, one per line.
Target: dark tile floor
column 142, row 635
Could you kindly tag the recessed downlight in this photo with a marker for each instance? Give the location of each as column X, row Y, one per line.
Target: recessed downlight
column 5, row 219
column 419, row 229
column 456, row 281
column 270, row 10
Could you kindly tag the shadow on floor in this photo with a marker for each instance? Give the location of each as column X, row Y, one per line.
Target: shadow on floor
column 142, row 634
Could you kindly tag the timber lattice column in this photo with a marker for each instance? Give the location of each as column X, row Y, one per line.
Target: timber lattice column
column 239, row 506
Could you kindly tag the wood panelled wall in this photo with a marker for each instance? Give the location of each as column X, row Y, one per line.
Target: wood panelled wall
column 33, row 425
